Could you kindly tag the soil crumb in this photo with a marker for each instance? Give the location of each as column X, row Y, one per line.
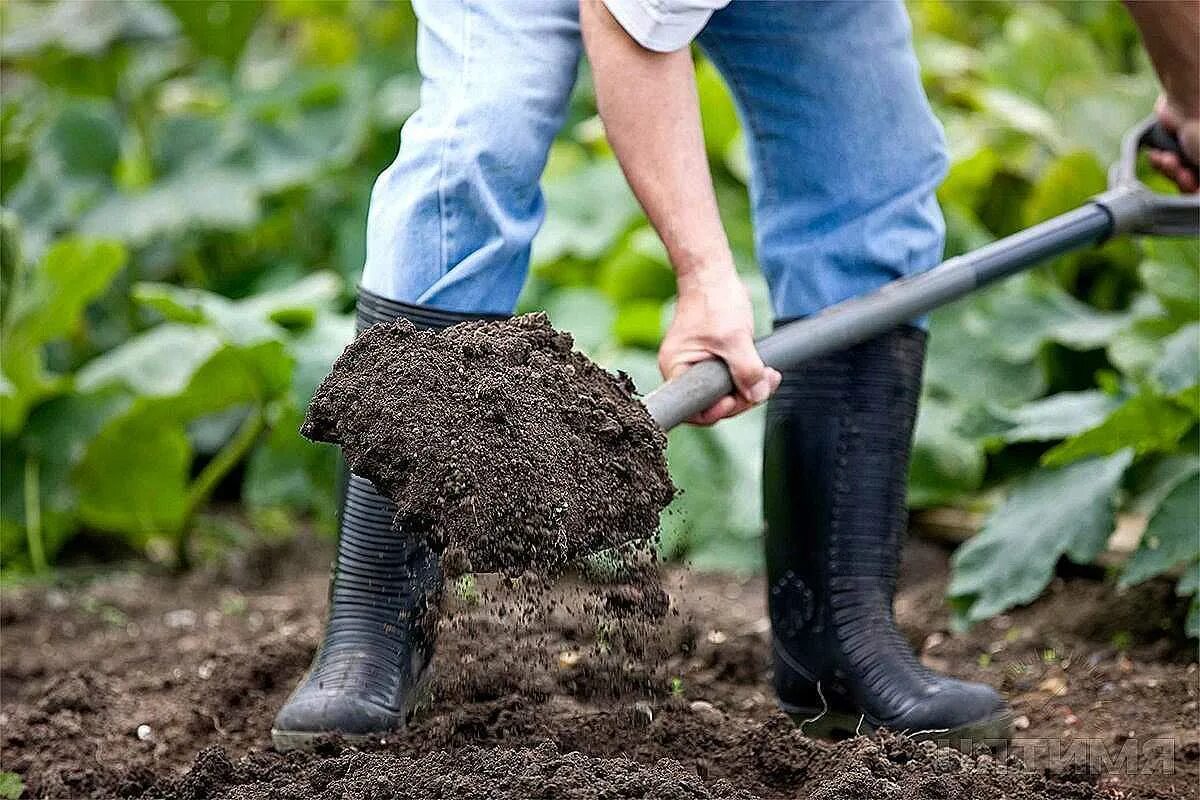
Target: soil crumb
column 512, row 450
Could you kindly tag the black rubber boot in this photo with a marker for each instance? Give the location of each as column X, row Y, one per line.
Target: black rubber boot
column 838, row 436
column 370, row 671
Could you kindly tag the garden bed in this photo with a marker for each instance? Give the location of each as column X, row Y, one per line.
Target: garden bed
column 135, row 685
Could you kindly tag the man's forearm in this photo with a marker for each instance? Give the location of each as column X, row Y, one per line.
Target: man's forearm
column 651, row 112
column 1171, row 32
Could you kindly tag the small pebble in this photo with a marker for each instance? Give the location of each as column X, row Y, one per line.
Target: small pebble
column 144, row 733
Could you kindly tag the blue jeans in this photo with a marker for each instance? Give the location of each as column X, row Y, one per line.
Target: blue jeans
column 845, row 152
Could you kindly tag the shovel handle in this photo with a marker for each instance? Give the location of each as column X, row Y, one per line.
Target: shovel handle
column 1127, row 207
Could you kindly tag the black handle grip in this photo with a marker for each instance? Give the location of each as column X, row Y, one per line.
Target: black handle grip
column 1159, row 138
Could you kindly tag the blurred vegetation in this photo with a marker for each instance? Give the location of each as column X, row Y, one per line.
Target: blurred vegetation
column 184, row 189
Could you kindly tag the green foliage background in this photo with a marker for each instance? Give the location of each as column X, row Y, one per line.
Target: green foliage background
column 184, row 189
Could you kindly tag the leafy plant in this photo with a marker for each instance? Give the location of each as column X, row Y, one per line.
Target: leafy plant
column 181, row 180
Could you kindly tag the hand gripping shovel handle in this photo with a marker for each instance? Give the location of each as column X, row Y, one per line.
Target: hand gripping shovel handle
column 1127, row 207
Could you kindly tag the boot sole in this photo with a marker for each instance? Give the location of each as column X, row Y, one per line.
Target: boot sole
column 991, row 732
column 308, row 741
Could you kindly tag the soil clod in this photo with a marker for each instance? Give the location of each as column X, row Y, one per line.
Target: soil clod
column 497, row 440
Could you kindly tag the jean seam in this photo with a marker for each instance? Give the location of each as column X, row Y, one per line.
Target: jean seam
column 450, row 139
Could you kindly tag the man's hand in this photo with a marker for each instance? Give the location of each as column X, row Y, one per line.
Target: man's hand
column 713, row 319
column 1170, row 30
column 1187, row 130
column 662, row 154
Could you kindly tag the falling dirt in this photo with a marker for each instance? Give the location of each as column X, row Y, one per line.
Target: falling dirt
column 141, row 686
column 512, row 450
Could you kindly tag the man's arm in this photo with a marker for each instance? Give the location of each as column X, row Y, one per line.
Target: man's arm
column 1171, row 32
column 651, row 113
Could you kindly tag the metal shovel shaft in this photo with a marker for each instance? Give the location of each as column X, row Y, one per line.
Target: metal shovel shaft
column 861, row 318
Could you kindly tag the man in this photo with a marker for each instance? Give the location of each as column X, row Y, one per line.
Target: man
column 845, row 156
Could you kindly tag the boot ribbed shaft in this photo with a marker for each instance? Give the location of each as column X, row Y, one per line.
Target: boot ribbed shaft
column 851, row 414
column 383, row 599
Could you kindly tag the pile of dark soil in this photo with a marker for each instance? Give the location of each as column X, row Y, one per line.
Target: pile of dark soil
column 472, row 772
column 111, row 688
column 513, row 451
column 861, row 769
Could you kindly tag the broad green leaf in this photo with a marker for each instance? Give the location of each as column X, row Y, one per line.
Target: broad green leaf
column 716, row 521
column 1158, row 479
column 1037, row 48
column 1145, row 423
column 288, row 471
column 637, row 271
column 1172, row 535
column 86, row 139
column 217, row 27
column 639, row 323
column 50, row 445
column 84, row 28
column 133, row 478
column 46, row 307
column 315, row 350
column 1048, row 514
column 1179, row 367
column 1066, row 184
column 1059, row 416
column 244, row 321
column 585, row 312
column 964, row 362
column 945, row 465
column 586, row 212
column 1171, row 272
column 157, row 363
column 717, row 111
column 211, row 199
column 1136, row 348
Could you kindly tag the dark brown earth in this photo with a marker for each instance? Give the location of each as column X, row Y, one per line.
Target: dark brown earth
column 560, row 706
column 514, row 451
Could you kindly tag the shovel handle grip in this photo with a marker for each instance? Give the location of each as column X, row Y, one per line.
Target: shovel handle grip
column 1159, row 138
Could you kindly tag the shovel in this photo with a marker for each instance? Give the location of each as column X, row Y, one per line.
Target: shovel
column 1128, row 206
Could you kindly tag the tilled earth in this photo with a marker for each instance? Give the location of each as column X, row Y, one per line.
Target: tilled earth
column 161, row 687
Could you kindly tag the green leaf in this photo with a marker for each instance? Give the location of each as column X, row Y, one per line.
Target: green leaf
column 945, row 464
column 158, row 363
column 718, row 114
column 1059, row 416
column 85, row 28
column 1172, row 535
column 46, row 307
column 637, row 271
column 716, row 520
column 11, row 786
column 1146, row 423
column 217, row 198
column 587, row 211
column 639, row 323
column 1066, row 183
column 217, row 27
column 314, row 351
column 1172, row 273
column 1048, row 514
column 1179, row 367
column 288, row 471
column 133, row 478
column 585, row 312
column 1137, row 347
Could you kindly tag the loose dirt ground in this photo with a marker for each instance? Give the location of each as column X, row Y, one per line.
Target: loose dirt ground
column 136, row 685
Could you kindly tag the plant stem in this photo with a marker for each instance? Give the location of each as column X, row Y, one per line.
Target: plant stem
column 33, row 515
column 216, row 469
